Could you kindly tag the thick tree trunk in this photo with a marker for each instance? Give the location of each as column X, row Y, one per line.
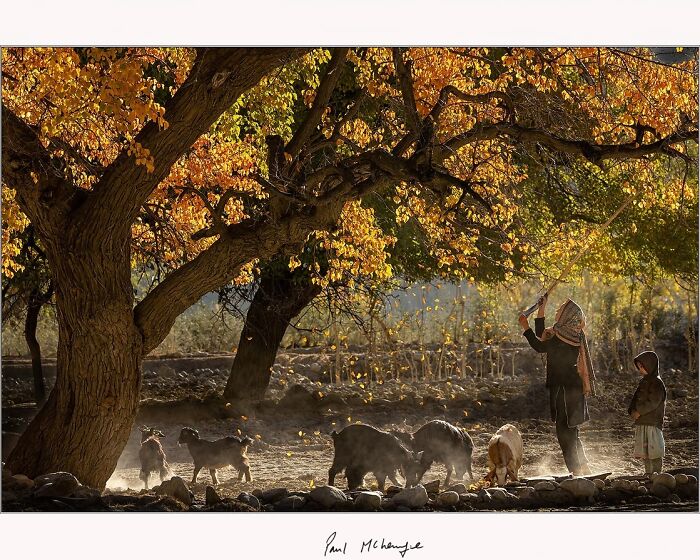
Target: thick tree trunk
column 281, row 296
column 34, row 304
column 86, row 421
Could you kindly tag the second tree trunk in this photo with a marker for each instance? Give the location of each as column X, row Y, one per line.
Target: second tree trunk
column 280, row 297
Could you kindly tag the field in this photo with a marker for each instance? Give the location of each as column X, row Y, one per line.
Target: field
column 292, row 447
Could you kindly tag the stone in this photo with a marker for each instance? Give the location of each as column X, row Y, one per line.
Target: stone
column 273, row 495
column 21, row 482
column 328, row 496
column 623, row 485
column 681, row 478
column 544, row 486
column 579, row 487
column 39, row 481
column 391, row 490
column 290, row 503
column 257, row 493
column 210, row 496
column 367, row 501
column 85, row 492
column 449, row 498
column 403, row 508
column 459, row 488
column 432, row 487
column 599, row 484
column 660, row 490
column 675, row 498
column 177, row 488
column 469, row 497
column 55, row 485
column 415, row 497
column 500, row 494
column 692, row 479
column 665, row 479
column 249, row 499
column 484, row 496
column 641, row 490
column 525, row 493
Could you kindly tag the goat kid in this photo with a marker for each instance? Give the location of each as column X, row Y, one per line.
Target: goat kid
column 151, row 455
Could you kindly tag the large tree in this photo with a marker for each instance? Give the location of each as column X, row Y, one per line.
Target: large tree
column 96, row 139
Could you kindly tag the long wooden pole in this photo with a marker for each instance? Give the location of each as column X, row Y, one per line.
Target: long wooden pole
column 530, row 310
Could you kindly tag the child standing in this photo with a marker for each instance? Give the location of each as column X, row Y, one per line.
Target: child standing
column 647, row 410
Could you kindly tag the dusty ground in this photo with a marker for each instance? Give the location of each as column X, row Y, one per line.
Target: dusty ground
column 293, row 448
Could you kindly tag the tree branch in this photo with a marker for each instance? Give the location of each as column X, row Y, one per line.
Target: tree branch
column 403, row 73
column 221, row 262
column 218, row 77
column 593, row 152
column 323, row 95
column 43, row 190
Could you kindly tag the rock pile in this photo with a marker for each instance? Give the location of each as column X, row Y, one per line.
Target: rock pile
column 62, row 491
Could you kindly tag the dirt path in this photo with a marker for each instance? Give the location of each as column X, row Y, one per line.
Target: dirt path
column 295, row 464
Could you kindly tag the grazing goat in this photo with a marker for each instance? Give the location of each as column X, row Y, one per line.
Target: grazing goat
column 444, row 443
column 361, row 449
column 214, row 455
column 152, row 455
column 505, row 454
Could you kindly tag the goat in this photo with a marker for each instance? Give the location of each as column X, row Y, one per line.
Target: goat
column 213, row 455
column 152, row 455
column 505, row 454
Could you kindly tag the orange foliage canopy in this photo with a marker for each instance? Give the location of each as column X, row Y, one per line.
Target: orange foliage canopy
column 452, row 133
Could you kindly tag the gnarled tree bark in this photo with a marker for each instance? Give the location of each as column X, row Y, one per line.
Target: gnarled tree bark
column 281, row 296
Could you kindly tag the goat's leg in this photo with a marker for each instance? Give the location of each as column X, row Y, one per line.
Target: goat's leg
column 381, row 480
column 246, row 472
column 212, row 472
column 197, row 468
column 393, row 479
column 425, row 464
column 144, row 476
column 449, row 474
column 334, row 470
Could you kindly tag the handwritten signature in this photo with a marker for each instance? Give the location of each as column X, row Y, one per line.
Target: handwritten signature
column 334, row 547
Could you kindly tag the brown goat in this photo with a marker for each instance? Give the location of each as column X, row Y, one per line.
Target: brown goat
column 213, row 455
column 152, row 455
